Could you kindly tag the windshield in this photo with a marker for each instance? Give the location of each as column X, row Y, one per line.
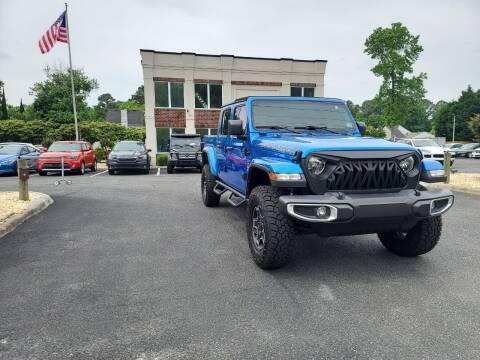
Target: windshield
column 193, row 142
column 424, row 142
column 9, row 149
column 65, row 147
column 470, row 146
column 129, row 146
column 301, row 114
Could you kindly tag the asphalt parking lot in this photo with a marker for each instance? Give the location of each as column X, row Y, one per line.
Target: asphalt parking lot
column 467, row 165
column 135, row 267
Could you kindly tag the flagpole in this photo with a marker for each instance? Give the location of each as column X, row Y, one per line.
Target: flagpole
column 67, row 23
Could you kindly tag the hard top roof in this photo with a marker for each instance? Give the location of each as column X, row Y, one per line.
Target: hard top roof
column 288, row 98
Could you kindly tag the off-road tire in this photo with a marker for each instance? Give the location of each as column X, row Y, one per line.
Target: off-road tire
column 42, row 173
column 170, row 169
column 209, row 197
column 418, row 241
column 81, row 171
column 93, row 168
column 278, row 228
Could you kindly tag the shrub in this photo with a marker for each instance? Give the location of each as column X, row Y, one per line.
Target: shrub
column 100, row 153
column 162, row 159
column 46, row 132
column 375, row 132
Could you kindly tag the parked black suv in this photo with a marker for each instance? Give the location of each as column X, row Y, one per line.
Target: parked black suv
column 184, row 151
column 129, row 155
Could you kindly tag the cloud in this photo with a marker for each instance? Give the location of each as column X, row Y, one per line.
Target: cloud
column 107, row 36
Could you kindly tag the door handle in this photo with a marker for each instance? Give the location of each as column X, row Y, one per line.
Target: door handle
column 228, row 148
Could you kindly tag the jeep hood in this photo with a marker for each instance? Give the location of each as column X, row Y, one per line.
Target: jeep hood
column 313, row 143
column 6, row 157
column 58, row 154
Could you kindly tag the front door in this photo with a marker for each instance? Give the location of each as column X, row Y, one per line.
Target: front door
column 222, row 144
column 237, row 154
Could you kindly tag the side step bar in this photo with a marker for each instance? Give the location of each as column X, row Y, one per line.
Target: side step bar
column 235, row 199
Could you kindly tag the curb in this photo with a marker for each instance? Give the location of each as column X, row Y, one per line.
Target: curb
column 36, row 206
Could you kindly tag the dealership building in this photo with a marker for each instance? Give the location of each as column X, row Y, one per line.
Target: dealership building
column 184, row 91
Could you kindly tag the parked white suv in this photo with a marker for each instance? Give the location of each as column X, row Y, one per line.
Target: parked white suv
column 429, row 148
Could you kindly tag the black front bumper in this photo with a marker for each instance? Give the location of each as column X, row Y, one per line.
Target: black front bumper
column 365, row 213
column 131, row 165
column 185, row 163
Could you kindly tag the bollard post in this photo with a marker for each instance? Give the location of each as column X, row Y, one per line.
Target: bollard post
column 446, row 165
column 23, row 175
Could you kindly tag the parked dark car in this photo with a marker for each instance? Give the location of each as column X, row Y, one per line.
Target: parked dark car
column 129, row 155
column 467, row 149
column 184, row 152
column 10, row 152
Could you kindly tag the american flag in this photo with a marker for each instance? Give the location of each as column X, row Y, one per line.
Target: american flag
column 56, row 32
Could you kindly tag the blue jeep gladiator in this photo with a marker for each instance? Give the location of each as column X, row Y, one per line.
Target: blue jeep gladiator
column 304, row 165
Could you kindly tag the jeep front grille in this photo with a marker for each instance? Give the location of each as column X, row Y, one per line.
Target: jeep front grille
column 366, row 175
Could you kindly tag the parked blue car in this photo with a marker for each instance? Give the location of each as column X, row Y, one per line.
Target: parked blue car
column 304, row 165
column 11, row 152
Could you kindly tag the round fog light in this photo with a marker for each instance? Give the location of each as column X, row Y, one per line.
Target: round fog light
column 322, row 211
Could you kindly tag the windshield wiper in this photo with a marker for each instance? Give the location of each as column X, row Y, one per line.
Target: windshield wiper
column 276, row 127
column 313, row 127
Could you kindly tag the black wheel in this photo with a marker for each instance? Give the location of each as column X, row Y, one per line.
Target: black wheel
column 81, row 171
column 209, row 197
column 419, row 240
column 42, row 173
column 111, row 172
column 93, row 168
column 270, row 232
column 170, row 169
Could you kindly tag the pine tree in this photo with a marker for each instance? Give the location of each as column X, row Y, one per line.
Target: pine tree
column 3, row 109
column 22, row 108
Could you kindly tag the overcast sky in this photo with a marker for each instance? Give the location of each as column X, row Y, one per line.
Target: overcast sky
column 107, row 35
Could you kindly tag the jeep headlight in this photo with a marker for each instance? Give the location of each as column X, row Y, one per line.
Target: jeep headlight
column 315, row 165
column 142, row 157
column 407, row 164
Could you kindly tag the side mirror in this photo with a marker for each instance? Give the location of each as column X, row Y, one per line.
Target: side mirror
column 362, row 127
column 235, row 127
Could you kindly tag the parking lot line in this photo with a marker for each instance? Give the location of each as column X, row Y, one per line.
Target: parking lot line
column 158, row 172
column 100, row 173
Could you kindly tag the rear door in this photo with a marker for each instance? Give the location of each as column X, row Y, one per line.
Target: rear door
column 222, row 143
column 237, row 153
column 87, row 154
column 33, row 154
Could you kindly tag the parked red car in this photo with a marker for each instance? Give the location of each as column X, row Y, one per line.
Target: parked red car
column 77, row 156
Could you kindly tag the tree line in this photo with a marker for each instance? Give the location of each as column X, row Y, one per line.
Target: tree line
column 50, row 116
column 401, row 97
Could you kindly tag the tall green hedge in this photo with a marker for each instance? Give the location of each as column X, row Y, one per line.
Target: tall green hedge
column 46, row 132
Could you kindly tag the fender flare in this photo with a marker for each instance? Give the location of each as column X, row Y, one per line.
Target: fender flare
column 209, row 155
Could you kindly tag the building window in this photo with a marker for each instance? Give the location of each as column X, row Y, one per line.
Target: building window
column 168, row 94
column 302, row 91
column 206, row 131
column 163, row 137
column 208, row 96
